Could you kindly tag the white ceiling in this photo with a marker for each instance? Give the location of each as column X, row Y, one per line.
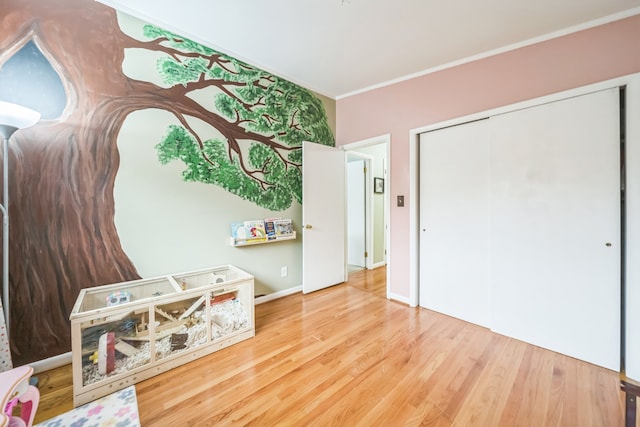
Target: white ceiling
column 339, row 47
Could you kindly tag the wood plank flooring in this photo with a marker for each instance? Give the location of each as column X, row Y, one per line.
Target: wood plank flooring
column 347, row 356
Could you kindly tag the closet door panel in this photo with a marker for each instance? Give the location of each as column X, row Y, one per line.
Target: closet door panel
column 633, row 232
column 555, row 226
column 454, row 222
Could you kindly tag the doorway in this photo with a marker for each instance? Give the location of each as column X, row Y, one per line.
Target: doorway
column 359, row 213
column 377, row 150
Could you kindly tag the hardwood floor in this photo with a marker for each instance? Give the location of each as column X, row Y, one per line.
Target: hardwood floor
column 347, row 356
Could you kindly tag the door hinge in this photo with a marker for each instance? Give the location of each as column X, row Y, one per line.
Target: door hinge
column 365, row 169
column 366, row 254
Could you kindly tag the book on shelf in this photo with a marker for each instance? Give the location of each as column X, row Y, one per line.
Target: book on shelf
column 270, row 228
column 248, row 231
column 238, row 231
column 283, row 227
column 255, row 230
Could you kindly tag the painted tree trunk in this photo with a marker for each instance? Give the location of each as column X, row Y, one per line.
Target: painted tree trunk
column 62, row 234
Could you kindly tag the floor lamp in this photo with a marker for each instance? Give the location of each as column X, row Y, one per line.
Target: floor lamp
column 12, row 118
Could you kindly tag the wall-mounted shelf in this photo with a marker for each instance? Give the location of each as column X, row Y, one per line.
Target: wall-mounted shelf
column 251, row 242
column 259, row 231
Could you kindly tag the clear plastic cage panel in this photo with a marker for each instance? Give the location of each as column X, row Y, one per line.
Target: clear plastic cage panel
column 125, row 293
column 180, row 326
column 210, row 277
column 230, row 311
column 110, row 345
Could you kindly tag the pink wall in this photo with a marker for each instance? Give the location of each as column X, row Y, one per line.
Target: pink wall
column 575, row 60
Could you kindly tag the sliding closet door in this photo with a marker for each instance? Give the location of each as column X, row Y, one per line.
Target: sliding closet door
column 454, row 222
column 555, row 226
column 632, row 331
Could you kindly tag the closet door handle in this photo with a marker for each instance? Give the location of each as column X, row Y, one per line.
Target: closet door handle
column 308, row 227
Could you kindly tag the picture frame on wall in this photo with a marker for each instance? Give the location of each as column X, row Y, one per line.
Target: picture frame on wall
column 378, row 185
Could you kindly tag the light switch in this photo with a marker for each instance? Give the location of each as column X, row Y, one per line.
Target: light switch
column 400, row 201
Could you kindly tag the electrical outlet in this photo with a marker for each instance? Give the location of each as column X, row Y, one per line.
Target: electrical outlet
column 284, row 271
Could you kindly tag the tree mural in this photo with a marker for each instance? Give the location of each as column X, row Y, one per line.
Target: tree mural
column 63, row 236
column 273, row 115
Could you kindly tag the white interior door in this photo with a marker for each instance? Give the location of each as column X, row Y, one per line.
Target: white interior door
column 555, row 235
column 323, row 216
column 455, row 222
column 356, row 213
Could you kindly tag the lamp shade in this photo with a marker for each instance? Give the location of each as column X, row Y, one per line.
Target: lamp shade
column 14, row 117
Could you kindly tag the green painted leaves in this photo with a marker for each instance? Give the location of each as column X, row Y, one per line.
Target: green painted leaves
column 262, row 121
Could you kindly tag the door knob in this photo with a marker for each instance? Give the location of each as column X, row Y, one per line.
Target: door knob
column 308, row 227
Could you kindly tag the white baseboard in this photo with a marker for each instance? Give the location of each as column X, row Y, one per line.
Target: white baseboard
column 51, row 362
column 399, row 298
column 378, row 264
column 279, row 294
